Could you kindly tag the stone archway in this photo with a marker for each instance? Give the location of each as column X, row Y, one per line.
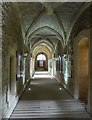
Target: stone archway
column 41, row 65
column 82, row 68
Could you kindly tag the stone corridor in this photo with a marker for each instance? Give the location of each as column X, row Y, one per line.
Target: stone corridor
column 46, row 98
column 46, row 59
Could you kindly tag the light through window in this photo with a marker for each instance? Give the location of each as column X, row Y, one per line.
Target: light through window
column 41, row 57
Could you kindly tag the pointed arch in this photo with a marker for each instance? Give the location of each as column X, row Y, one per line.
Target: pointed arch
column 41, row 29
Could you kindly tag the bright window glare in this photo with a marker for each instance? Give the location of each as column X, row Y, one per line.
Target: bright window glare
column 41, row 57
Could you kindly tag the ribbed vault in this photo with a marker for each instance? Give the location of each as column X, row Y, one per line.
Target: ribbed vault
column 42, row 48
column 49, row 19
column 44, row 43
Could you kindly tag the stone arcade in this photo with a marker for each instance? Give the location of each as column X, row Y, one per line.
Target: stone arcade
column 45, row 39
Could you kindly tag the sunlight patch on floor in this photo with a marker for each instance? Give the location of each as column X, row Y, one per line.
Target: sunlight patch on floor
column 42, row 74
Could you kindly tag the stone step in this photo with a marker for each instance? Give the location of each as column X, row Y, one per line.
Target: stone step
column 50, row 109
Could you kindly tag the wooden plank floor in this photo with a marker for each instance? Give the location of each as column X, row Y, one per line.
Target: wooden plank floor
column 43, row 98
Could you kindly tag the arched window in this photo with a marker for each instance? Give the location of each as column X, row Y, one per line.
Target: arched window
column 41, row 57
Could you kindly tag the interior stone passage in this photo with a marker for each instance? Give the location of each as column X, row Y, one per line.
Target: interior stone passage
column 45, row 60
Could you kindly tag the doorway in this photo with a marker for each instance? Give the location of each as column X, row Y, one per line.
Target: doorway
column 82, row 68
column 41, row 62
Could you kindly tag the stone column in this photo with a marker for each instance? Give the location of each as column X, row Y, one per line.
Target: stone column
column 31, row 67
column 28, row 67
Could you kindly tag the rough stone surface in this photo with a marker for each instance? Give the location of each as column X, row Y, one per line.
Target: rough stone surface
column 0, row 63
column 22, row 21
column 12, row 43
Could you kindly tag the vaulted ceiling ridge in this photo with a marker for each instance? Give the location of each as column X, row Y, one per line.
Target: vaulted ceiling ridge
column 48, row 44
column 52, row 22
column 39, row 52
column 49, row 20
column 45, row 39
column 42, row 13
column 42, row 28
column 75, row 18
column 61, row 25
column 52, row 9
column 40, row 49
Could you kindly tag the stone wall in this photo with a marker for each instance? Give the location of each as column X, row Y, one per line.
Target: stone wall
column 0, row 62
column 63, row 68
column 82, row 23
column 81, row 29
column 12, row 43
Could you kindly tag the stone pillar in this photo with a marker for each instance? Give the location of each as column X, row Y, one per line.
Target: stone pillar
column 33, row 68
column 24, row 69
column 28, row 67
column 53, row 66
column 76, row 86
column 0, row 64
column 31, row 72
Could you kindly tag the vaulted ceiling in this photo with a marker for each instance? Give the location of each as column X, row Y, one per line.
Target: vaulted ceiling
column 48, row 21
column 42, row 48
